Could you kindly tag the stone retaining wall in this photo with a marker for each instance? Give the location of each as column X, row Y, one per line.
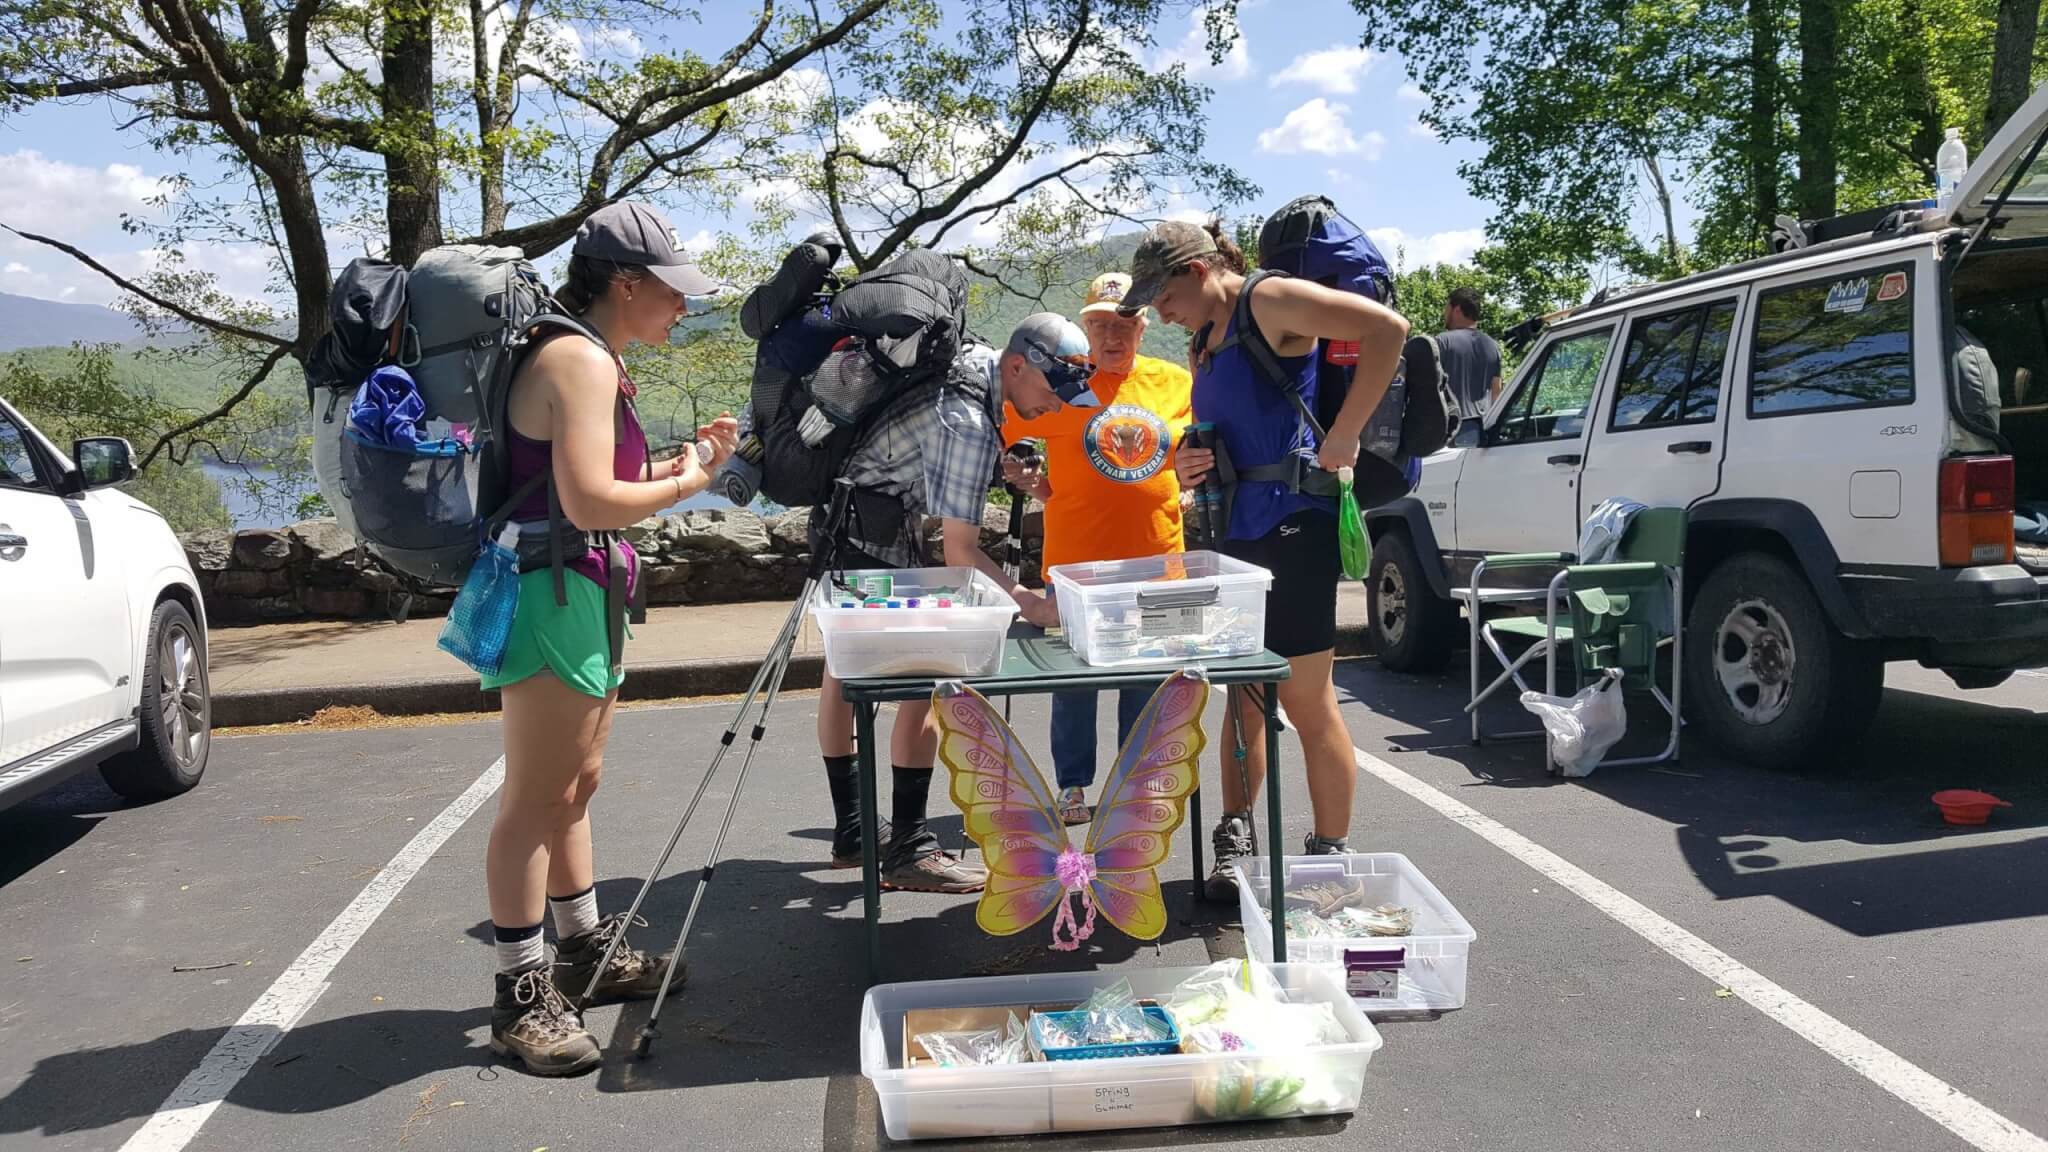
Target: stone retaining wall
column 313, row 569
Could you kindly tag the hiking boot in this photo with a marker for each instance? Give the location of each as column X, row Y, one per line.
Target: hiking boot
column 1074, row 806
column 934, row 871
column 846, row 845
column 532, row 1023
column 632, row 974
column 1230, row 842
column 1314, row 845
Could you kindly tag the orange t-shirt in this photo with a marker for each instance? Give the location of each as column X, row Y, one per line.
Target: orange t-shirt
column 1114, row 495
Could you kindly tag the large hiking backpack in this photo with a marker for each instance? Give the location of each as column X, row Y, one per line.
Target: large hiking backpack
column 831, row 359
column 462, row 318
column 1310, row 239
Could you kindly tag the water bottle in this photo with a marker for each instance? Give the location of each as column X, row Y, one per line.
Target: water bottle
column 1205, row 527
column 1949, row 166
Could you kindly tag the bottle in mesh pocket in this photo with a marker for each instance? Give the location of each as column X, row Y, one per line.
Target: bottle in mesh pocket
column 479, row 623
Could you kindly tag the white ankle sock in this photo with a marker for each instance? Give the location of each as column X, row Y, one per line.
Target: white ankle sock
column 519, row 948
column 574, row 915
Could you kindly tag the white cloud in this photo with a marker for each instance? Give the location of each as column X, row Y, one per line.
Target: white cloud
column 1319, row 126
column 1337, row 176
column 1193, row 51
column 1405, row 251
column 779, row 190
column 701, row 243
column 1421, row 131
column 39, row 194
column 616, row 40
column 1333, row 70
column 16, row 268
column 1412, row 92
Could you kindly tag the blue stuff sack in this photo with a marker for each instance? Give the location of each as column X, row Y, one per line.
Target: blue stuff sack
column 479, row 623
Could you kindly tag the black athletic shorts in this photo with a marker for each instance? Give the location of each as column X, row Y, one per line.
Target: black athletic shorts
column 1301, row 607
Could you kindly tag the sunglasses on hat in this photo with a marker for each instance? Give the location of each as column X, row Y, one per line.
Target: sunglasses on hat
column 1068, row 378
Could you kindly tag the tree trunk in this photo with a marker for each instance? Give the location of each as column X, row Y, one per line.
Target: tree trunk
column 1761, row 139
column 1921, row 101
column 298, row 211
column 2012, row 61
column 490, row 177
column 1820, row 108
column 1663, row 192
column 412, row 194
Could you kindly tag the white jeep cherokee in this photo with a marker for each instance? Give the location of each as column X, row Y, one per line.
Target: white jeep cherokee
column 102, row 631
column 1862, row 485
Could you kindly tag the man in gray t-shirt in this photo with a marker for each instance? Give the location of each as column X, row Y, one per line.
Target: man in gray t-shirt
column 1471, row 359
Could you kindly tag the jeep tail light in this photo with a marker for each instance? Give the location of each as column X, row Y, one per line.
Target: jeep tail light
column 1341, row 352
column 1976, row 511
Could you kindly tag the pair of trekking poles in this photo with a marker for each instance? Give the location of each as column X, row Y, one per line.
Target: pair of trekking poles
column 766, row 688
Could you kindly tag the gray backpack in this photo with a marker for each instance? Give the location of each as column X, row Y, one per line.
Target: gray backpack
column 470, row 313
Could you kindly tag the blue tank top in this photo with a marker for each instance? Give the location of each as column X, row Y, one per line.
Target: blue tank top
column 1259, row 426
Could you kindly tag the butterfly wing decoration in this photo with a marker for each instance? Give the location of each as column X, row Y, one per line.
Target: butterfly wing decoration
column 1143, row 803
column 1009, row 811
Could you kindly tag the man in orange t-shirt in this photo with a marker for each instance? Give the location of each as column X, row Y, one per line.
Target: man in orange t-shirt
column 1109, row 494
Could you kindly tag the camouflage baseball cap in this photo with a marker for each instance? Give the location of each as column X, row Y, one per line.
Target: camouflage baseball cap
column 1163, row 251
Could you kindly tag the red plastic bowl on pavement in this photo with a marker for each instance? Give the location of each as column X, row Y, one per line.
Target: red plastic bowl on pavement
column 1967, row 806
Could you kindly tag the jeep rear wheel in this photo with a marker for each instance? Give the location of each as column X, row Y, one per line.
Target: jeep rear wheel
column 1768, row 678
column 1411, row 627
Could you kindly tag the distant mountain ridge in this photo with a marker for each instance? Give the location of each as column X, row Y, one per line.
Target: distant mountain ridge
column 28, row 322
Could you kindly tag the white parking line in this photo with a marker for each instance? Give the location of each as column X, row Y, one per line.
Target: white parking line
column 179, row 1117
column 1930, row 1095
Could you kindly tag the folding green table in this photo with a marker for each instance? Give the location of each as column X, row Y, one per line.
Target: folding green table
column 1035, row 663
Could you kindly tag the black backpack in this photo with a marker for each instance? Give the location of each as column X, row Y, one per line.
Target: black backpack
column 1309, row 238
column 832, row 359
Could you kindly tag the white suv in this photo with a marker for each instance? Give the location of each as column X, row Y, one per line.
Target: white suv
column 1858, row 426
column 102, row 631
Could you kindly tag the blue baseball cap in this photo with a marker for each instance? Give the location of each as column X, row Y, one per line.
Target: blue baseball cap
column 1057, row 347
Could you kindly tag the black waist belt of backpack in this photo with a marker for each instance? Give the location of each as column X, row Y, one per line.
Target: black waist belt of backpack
column 550, row 545
column 1296, row 474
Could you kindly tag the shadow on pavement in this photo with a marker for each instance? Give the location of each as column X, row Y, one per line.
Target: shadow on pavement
column 319, row 1066
column 44, row 826
column 1857, row 844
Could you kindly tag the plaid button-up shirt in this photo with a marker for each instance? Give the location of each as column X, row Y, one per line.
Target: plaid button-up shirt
column 937, row 451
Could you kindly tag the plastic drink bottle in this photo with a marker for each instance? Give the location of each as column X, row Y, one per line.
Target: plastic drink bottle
column 1204, row 527
column 1950, row 163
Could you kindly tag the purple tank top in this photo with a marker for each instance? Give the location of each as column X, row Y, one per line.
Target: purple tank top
column 526, row 458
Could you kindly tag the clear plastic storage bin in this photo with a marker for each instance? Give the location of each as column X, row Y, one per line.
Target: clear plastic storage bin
column 1428, row 970
column 1183, row 606
column 1088, row 1095
column 909, row 633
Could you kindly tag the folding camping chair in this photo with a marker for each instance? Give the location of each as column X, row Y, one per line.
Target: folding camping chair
column 1621, row 615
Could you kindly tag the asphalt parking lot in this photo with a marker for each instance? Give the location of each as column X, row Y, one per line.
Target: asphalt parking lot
column 1703, row 957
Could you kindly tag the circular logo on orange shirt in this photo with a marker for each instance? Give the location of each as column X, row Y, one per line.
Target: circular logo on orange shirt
column 1126, row 443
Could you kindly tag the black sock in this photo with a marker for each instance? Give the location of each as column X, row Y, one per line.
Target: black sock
column 913, row 792
column 842, row 776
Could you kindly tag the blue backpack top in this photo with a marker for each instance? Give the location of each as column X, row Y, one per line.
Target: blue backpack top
column 1309, row 239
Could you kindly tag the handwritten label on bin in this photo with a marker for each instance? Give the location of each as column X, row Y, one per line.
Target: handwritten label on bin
column 1123, row 1104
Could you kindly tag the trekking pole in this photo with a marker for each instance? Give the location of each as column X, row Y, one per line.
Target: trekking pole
column 1244, row 772
column 783, row 640
column 778, row 656
column 643, row 1044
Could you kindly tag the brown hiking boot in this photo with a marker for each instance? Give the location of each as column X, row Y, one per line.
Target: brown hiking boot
column 934, row 871
column 1230, row 842
column 633, row 974
column 532, row 1023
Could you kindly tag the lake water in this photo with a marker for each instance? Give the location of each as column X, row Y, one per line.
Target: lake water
column 271, row 505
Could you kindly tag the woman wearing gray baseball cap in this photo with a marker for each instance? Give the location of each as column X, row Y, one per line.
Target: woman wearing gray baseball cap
column 1193, row 275
column 571, row 418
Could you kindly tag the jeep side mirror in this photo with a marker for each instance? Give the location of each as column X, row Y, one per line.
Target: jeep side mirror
column 104, row 460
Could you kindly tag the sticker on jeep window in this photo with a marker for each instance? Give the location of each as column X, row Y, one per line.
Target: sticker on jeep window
column 1893, row 287
column 1848, row 295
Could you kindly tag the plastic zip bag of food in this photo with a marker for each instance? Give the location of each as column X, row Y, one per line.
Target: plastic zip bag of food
column 975, row 1049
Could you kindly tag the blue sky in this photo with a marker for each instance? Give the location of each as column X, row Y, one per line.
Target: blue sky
column 1298, row 107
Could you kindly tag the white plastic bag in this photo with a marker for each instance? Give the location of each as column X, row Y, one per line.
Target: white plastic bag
column 1583, row 727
